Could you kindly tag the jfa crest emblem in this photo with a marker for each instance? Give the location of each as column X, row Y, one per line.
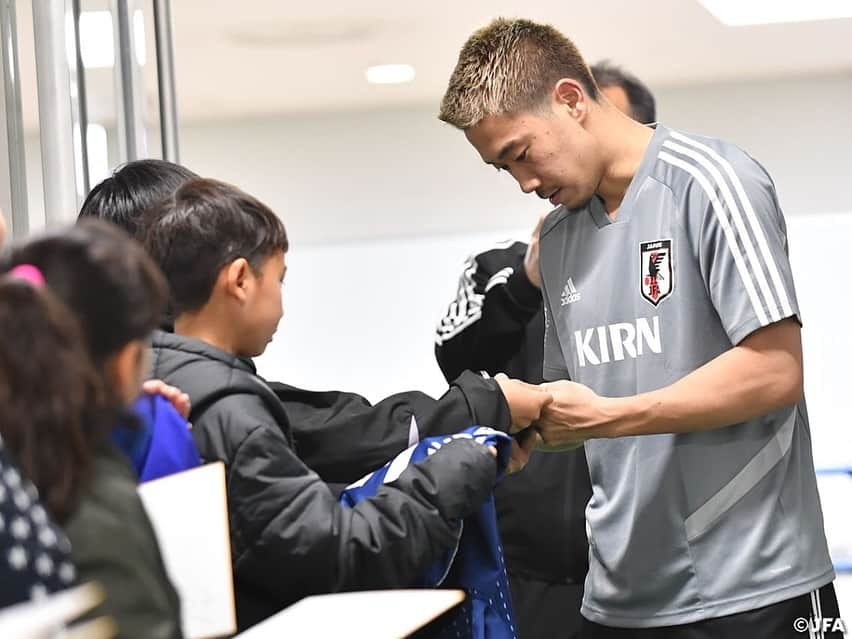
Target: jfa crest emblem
column 655, row 269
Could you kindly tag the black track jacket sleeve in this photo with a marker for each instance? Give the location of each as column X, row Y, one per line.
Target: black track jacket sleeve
column 484, row 326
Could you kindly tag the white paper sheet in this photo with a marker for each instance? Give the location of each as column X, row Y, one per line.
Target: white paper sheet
column 378, row 614
column 189, row 512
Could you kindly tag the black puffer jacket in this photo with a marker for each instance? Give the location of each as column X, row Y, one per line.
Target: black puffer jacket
column 342, row 436
column 290, row 538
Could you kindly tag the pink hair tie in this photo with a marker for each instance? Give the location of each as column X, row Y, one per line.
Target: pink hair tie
column 28, row 273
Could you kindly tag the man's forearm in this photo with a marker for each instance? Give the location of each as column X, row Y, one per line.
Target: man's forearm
column 755, row 378
column 760, row 375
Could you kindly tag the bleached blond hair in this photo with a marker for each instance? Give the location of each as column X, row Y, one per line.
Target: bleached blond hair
column 510, row 66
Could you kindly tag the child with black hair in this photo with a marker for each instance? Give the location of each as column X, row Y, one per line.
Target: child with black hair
column 132, row 189
column 72, row 358
column 224, row 255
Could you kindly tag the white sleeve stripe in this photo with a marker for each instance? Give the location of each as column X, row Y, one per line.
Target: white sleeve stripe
column 465, row 309
column 455, row 322
column 780, row 288
column 498, row 282
column 734, row 211
column 726, row 227
column 500, row 277
column 448, row 332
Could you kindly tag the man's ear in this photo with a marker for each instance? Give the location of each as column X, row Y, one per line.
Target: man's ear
column 234, row 277
column 569, row 95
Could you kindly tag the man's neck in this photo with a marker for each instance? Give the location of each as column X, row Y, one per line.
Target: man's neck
column 625, row 143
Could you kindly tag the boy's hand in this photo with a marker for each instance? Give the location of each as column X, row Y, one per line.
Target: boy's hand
column 176, row 396
column 526, row 401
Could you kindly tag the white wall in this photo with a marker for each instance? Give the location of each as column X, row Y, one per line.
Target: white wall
column 351, row 176
column 360, row 176
column 404, row 173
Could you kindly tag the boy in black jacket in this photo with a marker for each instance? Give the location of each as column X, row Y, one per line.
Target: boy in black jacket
column 341, row 435
column 223, row 253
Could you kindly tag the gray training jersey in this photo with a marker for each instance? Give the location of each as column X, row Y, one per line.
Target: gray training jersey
column 697, row 525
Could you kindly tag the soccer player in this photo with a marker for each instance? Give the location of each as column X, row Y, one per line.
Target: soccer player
column 669, row 301
column 496, row 324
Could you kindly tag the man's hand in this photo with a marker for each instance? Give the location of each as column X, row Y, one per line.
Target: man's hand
column 526, row 401
column 531, row 257
column 523, row 445
column 576, row 414
column 176, row 396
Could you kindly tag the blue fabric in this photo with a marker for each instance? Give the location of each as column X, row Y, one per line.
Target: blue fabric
column 134, row 439
column 476, row 564
column 162, row 444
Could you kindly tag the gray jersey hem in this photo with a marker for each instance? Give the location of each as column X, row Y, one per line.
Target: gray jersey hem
column 717, row 609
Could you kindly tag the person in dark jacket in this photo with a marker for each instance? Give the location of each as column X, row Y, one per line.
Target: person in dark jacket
column 76, row 309
column 496, row 324
column 223, row 253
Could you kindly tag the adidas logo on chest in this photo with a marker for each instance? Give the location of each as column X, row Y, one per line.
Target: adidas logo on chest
column 570, row 293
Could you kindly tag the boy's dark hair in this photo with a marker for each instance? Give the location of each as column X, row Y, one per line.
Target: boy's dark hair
column 642, row 103
column 56, row 403
column 203, row 226
column 132, row 189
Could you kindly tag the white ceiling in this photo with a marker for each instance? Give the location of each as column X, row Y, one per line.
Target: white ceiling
column 261, row 57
